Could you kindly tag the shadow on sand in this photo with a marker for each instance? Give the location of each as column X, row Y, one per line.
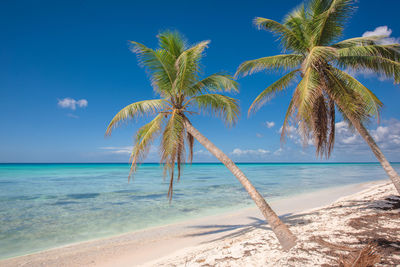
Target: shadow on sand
column 235, row 230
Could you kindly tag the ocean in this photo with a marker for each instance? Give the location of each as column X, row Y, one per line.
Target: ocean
column 44, row 206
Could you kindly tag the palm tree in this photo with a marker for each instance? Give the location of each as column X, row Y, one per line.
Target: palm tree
column 174, row 71
column 314, row 57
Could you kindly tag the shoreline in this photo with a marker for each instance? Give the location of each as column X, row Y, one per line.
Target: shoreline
column 141, row 246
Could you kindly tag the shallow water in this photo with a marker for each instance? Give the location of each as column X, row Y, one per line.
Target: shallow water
column 48, row 205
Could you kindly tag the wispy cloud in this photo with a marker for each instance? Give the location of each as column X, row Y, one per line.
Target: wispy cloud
column 118, row 149
column 71, row 103
column 259, row 135
column 292, row 133
column 251, row 152
column 269, row 124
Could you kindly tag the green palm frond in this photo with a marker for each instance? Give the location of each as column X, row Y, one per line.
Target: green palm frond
column 172, row 147
column 380, row 65
column 289, row 114
column 328, row 22
column 268, row 93
column 285, row 62
column 298, row 23
column 217, row 82
column 143, row 139
column 160, row 65
column 372, row 104
column 146, row 107
column 289, row 40
column 359, row 41
column 187, row 66
column 391, row 51
column 173, row 43
column 227, row 108
column 307, row 91
column 349, row 102
column 319, row 55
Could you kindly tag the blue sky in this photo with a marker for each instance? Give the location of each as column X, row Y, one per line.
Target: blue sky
column 66, row 70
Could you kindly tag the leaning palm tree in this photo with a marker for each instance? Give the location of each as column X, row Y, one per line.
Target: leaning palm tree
column 174, row 70
column 317, row 62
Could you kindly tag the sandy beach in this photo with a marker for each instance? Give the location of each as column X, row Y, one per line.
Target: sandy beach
column 242, row 238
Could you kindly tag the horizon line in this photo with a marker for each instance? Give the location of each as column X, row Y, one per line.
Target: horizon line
column 188, row 163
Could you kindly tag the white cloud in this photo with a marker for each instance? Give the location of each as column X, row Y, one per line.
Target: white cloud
column 259, row 135
column 387, row 136
column 269, row 124
column 72, row 103
column 350, row 140
column 382, row 31
column 289, row 129
column 250, row 152
column 118, row 150
column 349, row 145
column 341, row 127
column 292, row 133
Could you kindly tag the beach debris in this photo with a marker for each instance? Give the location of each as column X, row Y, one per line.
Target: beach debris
column 365, row 257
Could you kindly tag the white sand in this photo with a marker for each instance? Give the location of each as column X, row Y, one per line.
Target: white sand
column 235, row 239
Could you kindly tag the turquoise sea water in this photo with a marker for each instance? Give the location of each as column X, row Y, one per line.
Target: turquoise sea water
column 48, row 205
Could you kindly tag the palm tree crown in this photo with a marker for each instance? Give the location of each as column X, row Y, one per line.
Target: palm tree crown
column 309, row 35
column 174, row 70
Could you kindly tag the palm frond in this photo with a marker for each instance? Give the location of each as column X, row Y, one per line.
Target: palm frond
column 306, row 93
column 160, row 65
column 391, row 51
column 172, row 147
column 320, row 125
column 173, row 42
column 380, row 65
column 134, row 110
column 227, row 108
column 318, row 56
column 187, row 66
column 190, row 143
column 289, row 40
column 298, row 22
column 143, row 139
column 268, row 93
column 331, row 115
column 285, row 62
column 359, row 41
column 217, row 82
column 328, row 22
column 372, row 104
column 289, row 114
column 349, row 102
column 305, row 97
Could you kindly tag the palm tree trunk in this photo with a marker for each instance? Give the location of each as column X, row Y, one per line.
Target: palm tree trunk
column 282, row 232
column 378, row 153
